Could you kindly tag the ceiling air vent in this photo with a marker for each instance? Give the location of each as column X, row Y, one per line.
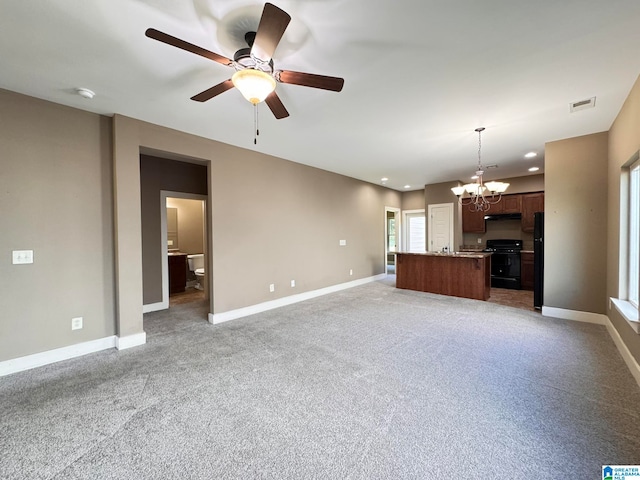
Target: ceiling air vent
column 582, row 104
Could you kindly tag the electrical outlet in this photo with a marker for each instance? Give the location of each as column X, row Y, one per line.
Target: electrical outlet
column 76, row 323
column 343, row 243
column 293, row 283
column 350, row 272
column 22, row 256
column 479, row 240
column 272, row 287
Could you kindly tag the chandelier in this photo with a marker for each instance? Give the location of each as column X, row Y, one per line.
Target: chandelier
column 480, row 196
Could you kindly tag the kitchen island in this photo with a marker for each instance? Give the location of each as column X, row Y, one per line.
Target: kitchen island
column 459, row 274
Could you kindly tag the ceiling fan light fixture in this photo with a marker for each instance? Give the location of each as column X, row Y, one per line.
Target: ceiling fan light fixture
column 254, row 85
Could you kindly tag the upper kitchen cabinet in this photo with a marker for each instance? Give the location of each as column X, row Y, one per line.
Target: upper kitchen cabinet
column 507, row 204
column 531, row 203
column 472, row 221
column 511, row 204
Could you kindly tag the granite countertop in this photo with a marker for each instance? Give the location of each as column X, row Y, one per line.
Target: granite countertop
column 449, row 254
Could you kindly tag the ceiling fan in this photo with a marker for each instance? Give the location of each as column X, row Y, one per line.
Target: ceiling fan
column 255, row 75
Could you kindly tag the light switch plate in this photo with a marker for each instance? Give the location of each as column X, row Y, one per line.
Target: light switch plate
column 343, row 243
column 22, row 256
column 76, row 323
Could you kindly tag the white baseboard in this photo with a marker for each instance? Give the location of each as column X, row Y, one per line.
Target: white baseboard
column 52, row 356
column 154, row 307
column 633, row 366
column 216, row 318
column 131, row 341
column 28, row 362
column 578, row 316
column 599, row 319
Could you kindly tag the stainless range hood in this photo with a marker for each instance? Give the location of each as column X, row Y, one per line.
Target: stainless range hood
column 503, row 216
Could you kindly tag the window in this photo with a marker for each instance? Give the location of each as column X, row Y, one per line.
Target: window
column 627, row 303
column 416, row 231
column 634, row 233
column 391, row 234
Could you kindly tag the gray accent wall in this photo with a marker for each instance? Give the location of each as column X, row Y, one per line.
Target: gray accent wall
column 157, row 174
column 55, row 199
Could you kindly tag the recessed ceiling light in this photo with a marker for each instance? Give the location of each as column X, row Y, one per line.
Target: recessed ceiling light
column 85, row 93
column 475, row 177
column 384, row 179
column 531, row 155
column 534, row 169
column 407, row 186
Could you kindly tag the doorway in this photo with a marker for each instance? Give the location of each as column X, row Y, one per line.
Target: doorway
column 184, row 239
column 391, row 238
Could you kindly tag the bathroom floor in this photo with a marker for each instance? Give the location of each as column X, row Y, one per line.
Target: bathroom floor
column 191, row 294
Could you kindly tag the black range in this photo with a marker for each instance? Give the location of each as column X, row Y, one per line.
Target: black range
column 505, row 263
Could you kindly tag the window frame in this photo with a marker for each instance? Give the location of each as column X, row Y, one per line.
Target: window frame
column 629, row 260
column 633, row 235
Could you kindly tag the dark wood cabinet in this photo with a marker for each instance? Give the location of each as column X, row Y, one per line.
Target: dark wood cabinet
column 531, row 203
column 472, row 221
column 177, row 272
column 467, row 276
column 526, row 270
column 511, row 204
column 507, row 204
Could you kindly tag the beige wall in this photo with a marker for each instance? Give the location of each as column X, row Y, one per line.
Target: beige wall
column 576, row 223
column 272, row 221
column 282, row 221
column 525, row 184
column 413, row 200
column 71, row 184
column 624, row 144
column 55, row 199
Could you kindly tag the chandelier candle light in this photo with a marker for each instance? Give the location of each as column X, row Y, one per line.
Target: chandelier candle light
column 477, row 199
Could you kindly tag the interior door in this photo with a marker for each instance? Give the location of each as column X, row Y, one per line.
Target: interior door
column 440, row 234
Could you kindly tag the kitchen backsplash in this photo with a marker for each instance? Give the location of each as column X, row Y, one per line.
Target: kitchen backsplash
column 511, row 229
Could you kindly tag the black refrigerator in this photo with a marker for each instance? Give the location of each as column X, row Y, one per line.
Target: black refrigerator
column 538, row 258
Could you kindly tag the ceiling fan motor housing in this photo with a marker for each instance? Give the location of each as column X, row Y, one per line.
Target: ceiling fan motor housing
column 244, row 59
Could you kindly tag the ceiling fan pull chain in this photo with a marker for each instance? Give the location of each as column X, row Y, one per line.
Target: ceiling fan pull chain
column 255, row 124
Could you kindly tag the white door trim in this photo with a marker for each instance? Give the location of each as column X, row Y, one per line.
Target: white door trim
column 429, row 223
column 396, row 212
column 164, row 194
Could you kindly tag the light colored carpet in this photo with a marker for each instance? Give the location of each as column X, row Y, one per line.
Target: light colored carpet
column 368, row 383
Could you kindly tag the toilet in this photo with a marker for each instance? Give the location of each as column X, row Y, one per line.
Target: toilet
column 196, row 265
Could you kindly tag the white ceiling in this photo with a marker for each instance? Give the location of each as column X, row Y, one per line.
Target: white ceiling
column 420, row 75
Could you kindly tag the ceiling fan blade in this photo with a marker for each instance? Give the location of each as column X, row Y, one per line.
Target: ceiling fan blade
column 272, row 25
column 189, row 47
column 276, row 106
column 334, row 84
column 209, row 93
